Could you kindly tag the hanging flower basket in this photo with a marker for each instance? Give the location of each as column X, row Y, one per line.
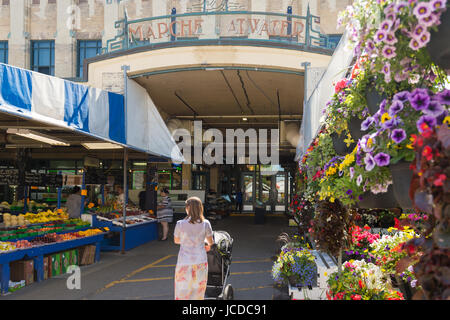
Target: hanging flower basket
column 401, row 177
column 374, row 99
column 354, row 126
column 385, row 200
column 439, row 45
column 340, row 146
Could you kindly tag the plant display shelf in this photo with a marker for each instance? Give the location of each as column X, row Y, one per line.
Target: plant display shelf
column 326, row 265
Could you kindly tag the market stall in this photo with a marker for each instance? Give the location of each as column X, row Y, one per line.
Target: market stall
column 43, row 120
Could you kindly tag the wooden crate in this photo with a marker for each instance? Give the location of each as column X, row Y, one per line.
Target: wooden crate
column 87, row 255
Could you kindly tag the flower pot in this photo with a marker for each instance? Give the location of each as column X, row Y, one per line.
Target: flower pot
column 340, row 146
column 385, row 200
column 354, row 126
column 401, row 178
column 439, row 46
column 374, row 99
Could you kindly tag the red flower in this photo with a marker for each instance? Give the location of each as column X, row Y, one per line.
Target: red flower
column 340, row 85
column 439, row 182
column 361, row 284
column 366, row 227
column 356, row 297
column 427, row 152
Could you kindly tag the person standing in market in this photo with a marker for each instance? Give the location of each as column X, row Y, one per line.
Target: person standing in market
column 239, row 203
column 73, row 203
column 191, row 273
column 164, row 213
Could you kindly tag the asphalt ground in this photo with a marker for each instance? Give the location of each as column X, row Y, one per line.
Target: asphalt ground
column 147, row 272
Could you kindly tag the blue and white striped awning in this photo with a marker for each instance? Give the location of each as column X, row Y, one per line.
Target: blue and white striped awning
column 98, row 113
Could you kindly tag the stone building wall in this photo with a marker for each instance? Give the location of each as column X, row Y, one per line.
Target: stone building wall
column 67, row 21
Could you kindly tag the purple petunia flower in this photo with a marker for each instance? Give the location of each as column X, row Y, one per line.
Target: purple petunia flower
column 369, row 161
column 396, row 107
column 444, row 97
column 370, row 46
column 380, row 35
column 400, row 6
column 386, row 25
column 352, row 172
column 389, row 52
column 387, row 72
column 390, row 38
column 414, row 44
column 419, row 101
column 413, row 283
column 398, row 135
column 424, row 38
column 418, row 30
column 359, row 180
column 438, row 4
column 391, row 123
column 402, row 96
column 382, row 159
column 367, row 123
column 425, row 119
column 434, row 108
column 349, row 192
column 429, row 21
column 422, row 9
column 440, row 118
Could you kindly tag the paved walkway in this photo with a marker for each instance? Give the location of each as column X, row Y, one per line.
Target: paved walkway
column 147, row 272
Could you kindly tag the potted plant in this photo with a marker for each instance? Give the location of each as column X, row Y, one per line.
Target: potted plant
column 295, row 266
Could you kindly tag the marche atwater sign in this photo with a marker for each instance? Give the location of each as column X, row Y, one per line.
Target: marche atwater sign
column 225, row 26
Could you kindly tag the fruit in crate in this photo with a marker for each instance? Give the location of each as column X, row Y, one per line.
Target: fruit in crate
column 6, row 246
column 21, row 244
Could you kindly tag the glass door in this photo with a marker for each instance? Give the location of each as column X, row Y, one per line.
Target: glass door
column 280, row 192
column 249, row 190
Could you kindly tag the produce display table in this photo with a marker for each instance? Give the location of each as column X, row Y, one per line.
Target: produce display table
column 135, row 234
column 37, row 254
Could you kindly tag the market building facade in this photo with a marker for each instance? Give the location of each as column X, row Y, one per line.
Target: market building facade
column 231, row 64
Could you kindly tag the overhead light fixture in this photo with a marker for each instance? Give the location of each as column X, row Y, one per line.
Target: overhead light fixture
column 34, row 135
column 101, row 146
column 30, row 146
column 244, row 119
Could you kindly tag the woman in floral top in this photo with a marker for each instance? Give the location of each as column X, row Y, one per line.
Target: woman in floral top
column 191, row 273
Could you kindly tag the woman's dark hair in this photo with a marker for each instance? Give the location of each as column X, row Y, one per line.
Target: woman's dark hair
column 165, row 190
column 76, row 189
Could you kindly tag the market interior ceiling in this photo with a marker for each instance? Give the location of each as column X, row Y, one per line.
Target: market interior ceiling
column 229, row 98
column 10, row 143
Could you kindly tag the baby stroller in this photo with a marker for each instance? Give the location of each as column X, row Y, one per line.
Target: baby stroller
column 219, row 261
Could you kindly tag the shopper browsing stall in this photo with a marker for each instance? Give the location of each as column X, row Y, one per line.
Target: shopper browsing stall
column 191, row 272
column 73, row 203
column 165, row 212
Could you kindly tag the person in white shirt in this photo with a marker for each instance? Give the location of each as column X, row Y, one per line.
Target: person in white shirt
column 191, row 273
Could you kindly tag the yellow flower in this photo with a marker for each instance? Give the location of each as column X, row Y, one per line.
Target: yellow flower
column 409, row 146
column 447, row 120
column 332, row 199
column 349, row 140
column 385, row 117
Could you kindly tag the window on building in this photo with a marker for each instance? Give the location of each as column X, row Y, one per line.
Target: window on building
column 4, row 51
column 43, row 56
column 87, row 49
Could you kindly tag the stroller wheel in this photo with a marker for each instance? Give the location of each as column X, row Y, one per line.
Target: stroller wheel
column 228, row 293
